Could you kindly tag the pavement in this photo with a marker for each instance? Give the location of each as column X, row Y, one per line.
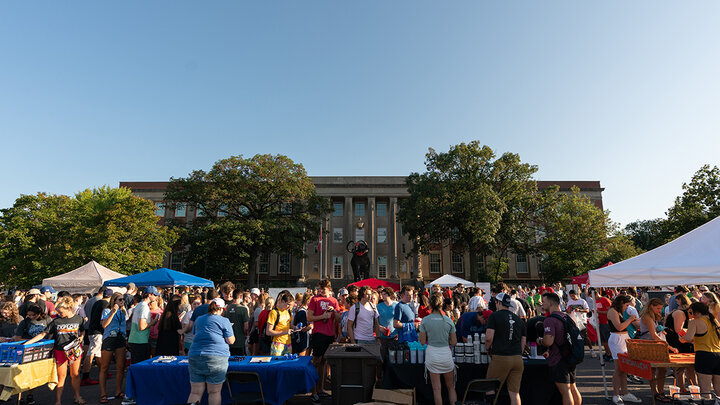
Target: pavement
column 589, row 380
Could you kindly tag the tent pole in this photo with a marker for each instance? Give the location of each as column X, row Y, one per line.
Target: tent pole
column 601, row 352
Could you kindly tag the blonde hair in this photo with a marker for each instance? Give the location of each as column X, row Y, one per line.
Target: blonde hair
column 65, row 303
column 648, row 309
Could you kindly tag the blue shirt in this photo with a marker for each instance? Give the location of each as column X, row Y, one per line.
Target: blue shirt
column 199, row 311
column 469, row 325
column 117, row 324
column 387, row 313
column 404, row 312
column 209, row 333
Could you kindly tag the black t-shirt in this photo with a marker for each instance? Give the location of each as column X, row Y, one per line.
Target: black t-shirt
column 509, row 331
column 7, row 329
column 95, row 325
column 64, row 330
column 28, row 329
column 237, row 315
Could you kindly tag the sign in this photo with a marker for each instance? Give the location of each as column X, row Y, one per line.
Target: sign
column 638, row 368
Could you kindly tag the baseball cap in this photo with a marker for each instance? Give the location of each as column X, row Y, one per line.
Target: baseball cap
column 152, row 290
column 343, row 291
column 504, row 299
column 220, row 302
column 34, row 291
column 47, row 288
column 255, row 291
column 486, row 314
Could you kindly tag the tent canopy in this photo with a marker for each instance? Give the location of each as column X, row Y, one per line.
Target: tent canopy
column 161, row 278
column 375, row 283
column 693, row 258
column 85, row 279
column 449, row 281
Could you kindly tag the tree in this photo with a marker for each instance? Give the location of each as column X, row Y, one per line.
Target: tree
column 698, row 204
column 618, row 247
column 45, row 235
column 646, row 234
column 468, row 198
column 264, row 204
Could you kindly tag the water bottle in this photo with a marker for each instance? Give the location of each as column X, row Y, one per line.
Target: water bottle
column 533, row 350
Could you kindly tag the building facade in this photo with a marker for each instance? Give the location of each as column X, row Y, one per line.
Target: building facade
column 364, row 208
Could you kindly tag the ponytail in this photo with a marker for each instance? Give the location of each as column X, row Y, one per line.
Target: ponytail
column 213, row 307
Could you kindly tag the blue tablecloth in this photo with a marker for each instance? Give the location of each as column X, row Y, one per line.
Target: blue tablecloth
column 169, row 383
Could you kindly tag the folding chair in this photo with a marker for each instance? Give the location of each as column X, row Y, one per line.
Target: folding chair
column 246, row 379
column 481, row 387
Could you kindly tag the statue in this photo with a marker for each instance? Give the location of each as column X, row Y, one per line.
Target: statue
column 360, row 261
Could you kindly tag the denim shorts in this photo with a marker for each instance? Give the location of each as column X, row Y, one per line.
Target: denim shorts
column 209, row 369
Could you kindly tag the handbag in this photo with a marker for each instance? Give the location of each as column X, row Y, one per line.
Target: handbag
column 73, row 350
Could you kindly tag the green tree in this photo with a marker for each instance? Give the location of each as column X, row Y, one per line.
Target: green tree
column 470, row 199
column 263, row 204
column 698, row 204
column 646, row 234
column 45, row 235
column 618, row 247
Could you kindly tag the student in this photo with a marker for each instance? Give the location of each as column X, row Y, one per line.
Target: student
column 617, row 343
column 322, row 312
column 113, row 321
column 704, row 332
column 362, row 327
column 278, row 325
column 505, row 338
column 438, row 332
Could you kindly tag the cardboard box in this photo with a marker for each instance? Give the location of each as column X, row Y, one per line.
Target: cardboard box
column 398, row 397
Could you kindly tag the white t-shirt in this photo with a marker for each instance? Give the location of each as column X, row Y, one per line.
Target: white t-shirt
column 517, row 308
column 476, row 302
column 363, row 326
column 580, row 318
column 141, row 311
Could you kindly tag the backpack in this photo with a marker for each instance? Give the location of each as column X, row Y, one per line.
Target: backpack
column 573, row 350
column 265, row 340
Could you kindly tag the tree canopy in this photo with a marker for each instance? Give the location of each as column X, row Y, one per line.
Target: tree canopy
column 45, row 235
column 263, row 204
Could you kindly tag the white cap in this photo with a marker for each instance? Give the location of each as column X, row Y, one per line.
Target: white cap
column 255, row 291
column 220, row 302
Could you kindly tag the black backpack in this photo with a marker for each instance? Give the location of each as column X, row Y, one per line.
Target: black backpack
column 573, row 350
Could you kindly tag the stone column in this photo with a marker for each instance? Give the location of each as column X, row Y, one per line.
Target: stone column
column 349, row 213
column 370, row 237
column 393, row 239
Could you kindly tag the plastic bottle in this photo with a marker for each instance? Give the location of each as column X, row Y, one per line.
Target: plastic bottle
column 533, row 350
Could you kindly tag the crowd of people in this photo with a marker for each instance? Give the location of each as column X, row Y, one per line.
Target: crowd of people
column 209, row 325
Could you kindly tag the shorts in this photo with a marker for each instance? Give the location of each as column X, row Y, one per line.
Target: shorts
column 139, row 352
column 60, row 357
column 562, row 373
column 95, row 346
column 707, row 363
column 605, row 332
column 280, row 349
column 254, row 337
column 207, row 369
column 617, row 344
column 320, row 343
column 507, row 369
column 113, row 343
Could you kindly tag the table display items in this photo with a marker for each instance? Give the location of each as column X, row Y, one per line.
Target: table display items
column 20, row 353
column 472, row 352
column 406, row 353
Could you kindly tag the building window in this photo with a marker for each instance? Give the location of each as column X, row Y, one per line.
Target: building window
column 337, row 267
column 180, row 210
column 359, row 209
column 199, row 212
column 521, row 266
column 403, row 248
column 263, row 263
column 382, row 266
column 481, row 264
column 435, row 264
column 381, row 209
column 176, row 261
column 457, row 263
column 338, row 235
column 381, row 235
column 284, row 263
column 160, row 209
column 223, row 210
column 359, row 234
column 337, row 209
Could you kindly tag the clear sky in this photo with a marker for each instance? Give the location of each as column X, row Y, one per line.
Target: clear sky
column 94, row 93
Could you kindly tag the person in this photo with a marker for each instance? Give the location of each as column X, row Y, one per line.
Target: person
column 476, row 301
column 67, row 328
column 448, row 308
column 618, row 344
column 711, row 300
column 169, row 330
column 208, row 356
column 602, row 305
column 676, row 326
column 322, row 312
column 188, row 336
column 704, row 331
column 341, row 327
column 254, row 339
column 362, row 319
column 32, row 297
column 34, row 323
column 505, row 340
column 138, row 340
column 95, row 334
column 9, row 319
column 438, row 332
column 424, row 308
column 155, row 311
column 113, row 320
column 130, row 291
column 471, row 323
column 404, row 316
column 651, row 330
column 47, row 293
column 578, row 309
column 238, row 315
column 278, row 325
column 386, row 309
column 301, row 338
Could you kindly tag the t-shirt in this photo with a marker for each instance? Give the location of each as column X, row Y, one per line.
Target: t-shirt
column 469, row 325
column 185, row 321
column 580, row 318
column 363, row 325
column 199, row 311
column 28, row 329
column 319, row 305
column 141, row 311
column 517, row 308
column 64, row 330
column 603, row 304
column 283, row 325
column 155, row 329
column 386, row 318
column 509, row 331
column 88, row 309
column 95, row 325
column 404, row 312
column 555, row 327
column 50, row 307
column 438, row 329
column 237, row 315
column 117, row 325
column 209, row 333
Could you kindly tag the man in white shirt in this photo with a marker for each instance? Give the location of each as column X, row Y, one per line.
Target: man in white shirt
column 476, row 303
column 362, row 319
column 578, row 309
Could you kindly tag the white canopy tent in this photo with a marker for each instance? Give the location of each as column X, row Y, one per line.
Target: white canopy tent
column 85, row 279
column 449, row 281
column 693, row 258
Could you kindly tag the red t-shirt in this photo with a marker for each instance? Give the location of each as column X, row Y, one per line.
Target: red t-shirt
column 603, row 304
column 423, row 311
column 319, row 305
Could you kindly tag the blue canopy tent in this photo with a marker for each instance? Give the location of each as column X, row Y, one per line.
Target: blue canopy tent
column 161, row 278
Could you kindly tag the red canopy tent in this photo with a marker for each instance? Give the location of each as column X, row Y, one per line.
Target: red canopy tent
column 585, row 278
column 375, row 283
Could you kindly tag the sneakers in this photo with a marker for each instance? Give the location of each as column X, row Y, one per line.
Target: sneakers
column 88, row 381
column 315, row 398
column 128, row 401
column 617, row 400
column 630, row 397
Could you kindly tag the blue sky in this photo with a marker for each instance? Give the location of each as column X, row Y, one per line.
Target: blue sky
column 94, row 93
